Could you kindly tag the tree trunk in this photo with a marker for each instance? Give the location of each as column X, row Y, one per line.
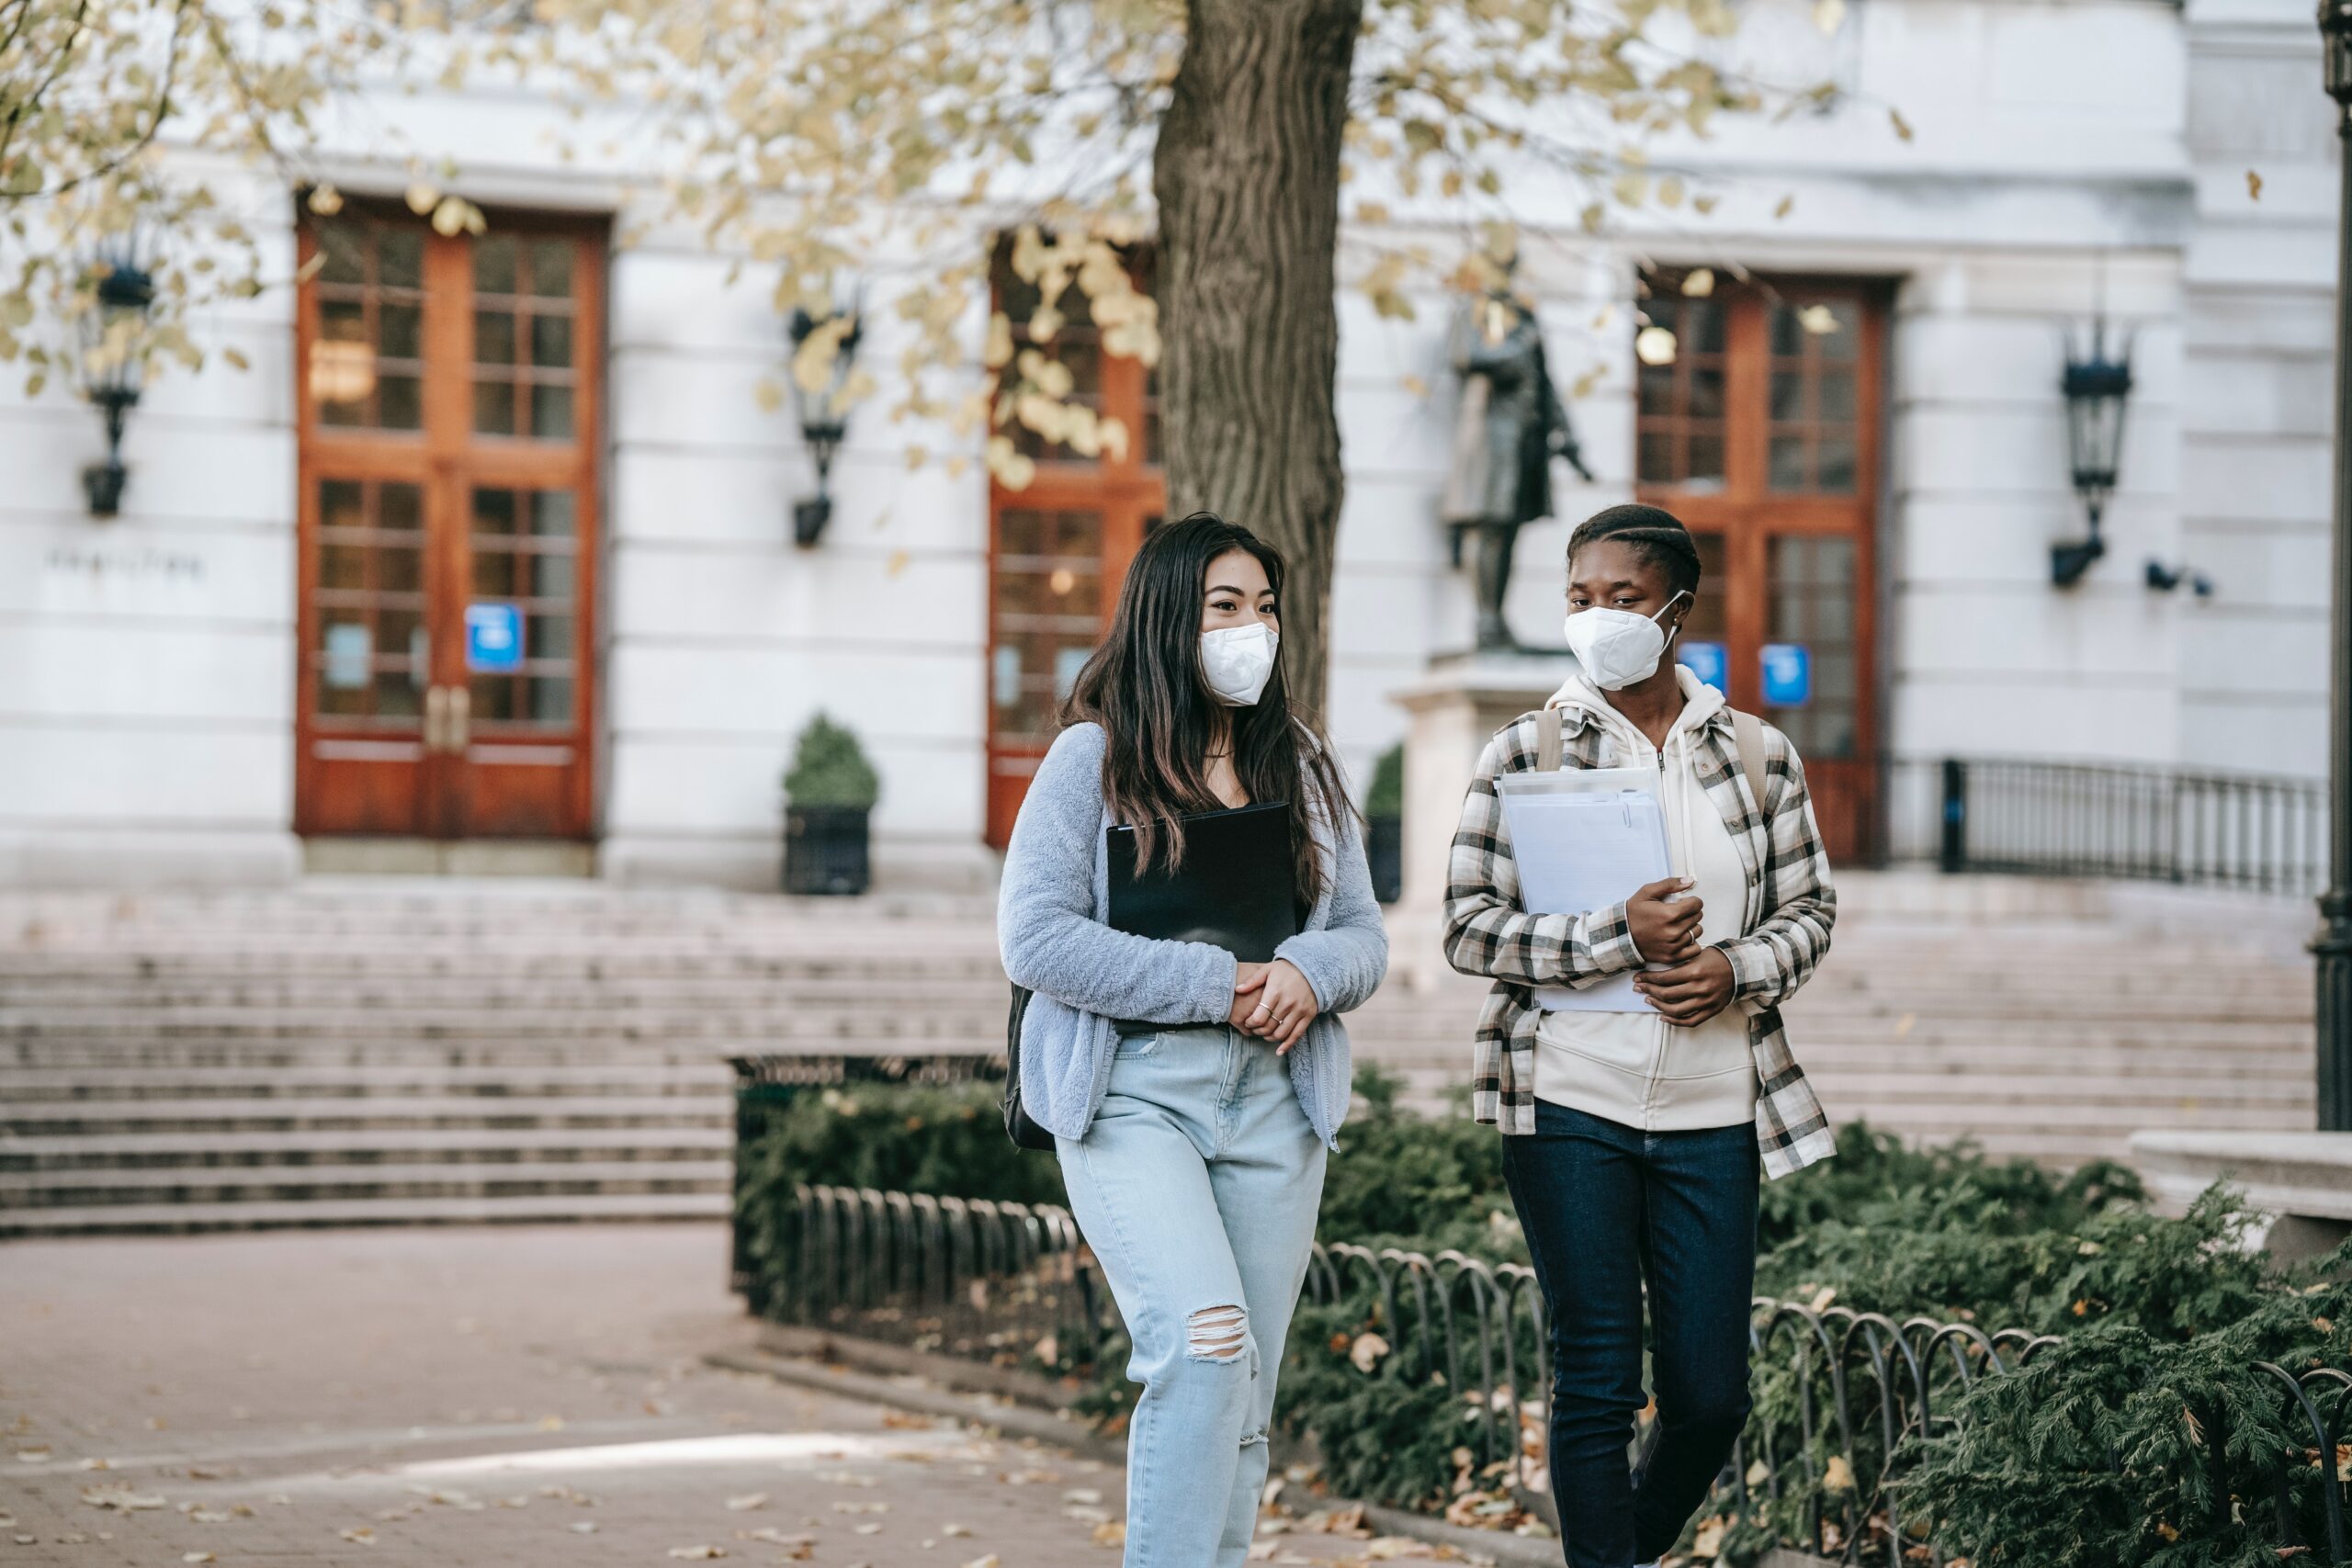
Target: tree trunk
column 1246, row 174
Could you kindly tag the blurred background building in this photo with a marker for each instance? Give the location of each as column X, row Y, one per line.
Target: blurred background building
column 489, row 560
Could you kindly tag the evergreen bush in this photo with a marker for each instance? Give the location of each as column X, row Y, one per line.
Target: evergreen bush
column 828, row 768
column 2101, row 1453
column 1386, row 797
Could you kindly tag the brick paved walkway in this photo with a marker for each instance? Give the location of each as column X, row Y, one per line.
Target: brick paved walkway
column 474, row 1397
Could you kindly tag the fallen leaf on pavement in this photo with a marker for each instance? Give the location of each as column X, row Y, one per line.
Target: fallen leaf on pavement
column 95, row 1464
column 199, row 1557
column 362, row 1536
column 987, row 1561
column 1082, row 1495
column 585, row 1527
column 869, row 1530
column 696, row 1553
column 550, row 1422
column 1110, row 1532
column 952, row 1530
column 119, row 1497
column 210, row 1516
column 861, row 1507
column 747, row 1502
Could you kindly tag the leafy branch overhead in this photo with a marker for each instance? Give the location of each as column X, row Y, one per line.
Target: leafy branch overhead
column 808, row 138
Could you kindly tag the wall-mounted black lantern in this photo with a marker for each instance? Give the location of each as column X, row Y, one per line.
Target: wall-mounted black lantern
column 2096, row 388
column 115, row 363
column 824, row 418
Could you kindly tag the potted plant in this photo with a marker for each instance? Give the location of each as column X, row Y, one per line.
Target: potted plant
column 1383, row 810
column 829, row 797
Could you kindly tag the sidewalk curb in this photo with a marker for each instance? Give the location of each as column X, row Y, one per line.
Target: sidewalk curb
column 995, row 1409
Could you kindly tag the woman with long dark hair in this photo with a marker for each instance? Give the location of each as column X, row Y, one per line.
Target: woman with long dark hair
column 1193, row 1097
column 1634, row 1136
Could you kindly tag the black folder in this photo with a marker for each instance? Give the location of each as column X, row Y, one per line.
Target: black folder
column 1234, row 889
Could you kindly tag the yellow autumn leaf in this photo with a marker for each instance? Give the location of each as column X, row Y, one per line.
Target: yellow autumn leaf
column 1902, row 126
column 1838, row 1476
column 1698, row 283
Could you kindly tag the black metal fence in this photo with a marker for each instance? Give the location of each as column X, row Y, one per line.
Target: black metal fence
column 2029, row 817
column 1840, row 1392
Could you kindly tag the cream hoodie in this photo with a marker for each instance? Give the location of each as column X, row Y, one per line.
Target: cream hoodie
column 1635, row 1068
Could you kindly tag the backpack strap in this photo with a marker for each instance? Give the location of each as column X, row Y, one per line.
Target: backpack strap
column 1748, row 734
column 1548, row 742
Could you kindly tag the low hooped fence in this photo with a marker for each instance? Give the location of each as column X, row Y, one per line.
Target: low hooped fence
column 1839, row 1394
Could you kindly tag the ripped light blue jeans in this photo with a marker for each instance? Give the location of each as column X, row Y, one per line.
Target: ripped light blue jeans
column 1196, row 1187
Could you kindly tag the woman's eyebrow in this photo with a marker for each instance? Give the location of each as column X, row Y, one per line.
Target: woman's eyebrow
column 1226, row 588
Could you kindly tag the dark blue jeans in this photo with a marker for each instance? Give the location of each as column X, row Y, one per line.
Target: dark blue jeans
column 1606, row 1206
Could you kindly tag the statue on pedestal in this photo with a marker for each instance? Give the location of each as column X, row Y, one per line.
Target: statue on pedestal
column 1510, row 426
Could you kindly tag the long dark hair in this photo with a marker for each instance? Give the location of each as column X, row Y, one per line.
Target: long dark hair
column 1145, row 688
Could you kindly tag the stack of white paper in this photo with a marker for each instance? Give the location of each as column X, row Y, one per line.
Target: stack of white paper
column 1585, row 839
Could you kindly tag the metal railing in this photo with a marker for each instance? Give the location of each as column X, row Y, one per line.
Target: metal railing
column 1842, row 1391
column 2104, row 819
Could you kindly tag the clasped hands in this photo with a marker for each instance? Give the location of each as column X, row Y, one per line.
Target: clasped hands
column 1666, row 931
column 1272, row 1002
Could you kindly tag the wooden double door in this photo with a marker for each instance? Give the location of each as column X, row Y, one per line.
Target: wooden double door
column 449, row 410
column 1761, row 430
column 1059, row 547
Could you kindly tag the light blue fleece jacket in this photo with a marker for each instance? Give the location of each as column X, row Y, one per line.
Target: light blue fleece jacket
column 1050, row 927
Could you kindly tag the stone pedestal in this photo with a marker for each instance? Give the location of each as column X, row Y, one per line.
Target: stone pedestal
column 2302, row 1179
column 1456, row 709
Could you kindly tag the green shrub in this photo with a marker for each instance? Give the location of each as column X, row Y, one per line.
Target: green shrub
column 2101, row 1452
column 946, row 1139
column 2089, row 1455
column 828, row 768
column 1386, row 796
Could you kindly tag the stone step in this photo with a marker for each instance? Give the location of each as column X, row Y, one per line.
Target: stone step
column 30, row 1085
column 296, row 1053
column 229, row 1184
column 315, row 1213
column 361, row 1145
column 62, row 1117
column 785, row 1028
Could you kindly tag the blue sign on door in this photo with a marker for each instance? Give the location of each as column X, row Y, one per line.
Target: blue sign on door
column 1706, row 661
column 493, row 638
column 1788, row 674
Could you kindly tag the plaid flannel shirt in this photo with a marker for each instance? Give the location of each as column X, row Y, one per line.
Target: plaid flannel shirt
column 1791, row 908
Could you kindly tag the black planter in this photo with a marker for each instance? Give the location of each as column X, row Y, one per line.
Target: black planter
column 1385, row 847
column 824, row 849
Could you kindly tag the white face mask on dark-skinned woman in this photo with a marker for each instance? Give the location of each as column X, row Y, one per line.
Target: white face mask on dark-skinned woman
column 1617, row 647
column 1238, row 661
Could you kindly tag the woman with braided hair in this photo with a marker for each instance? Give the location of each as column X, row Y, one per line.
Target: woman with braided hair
column 1633, row 1139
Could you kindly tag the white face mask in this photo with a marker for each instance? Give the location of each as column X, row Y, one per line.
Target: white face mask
column 1237, row 662
column 1617, row 647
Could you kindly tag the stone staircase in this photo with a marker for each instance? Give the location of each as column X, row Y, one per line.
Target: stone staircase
column 378, row 1051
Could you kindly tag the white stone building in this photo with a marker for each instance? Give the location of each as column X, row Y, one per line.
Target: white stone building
column 261, row 663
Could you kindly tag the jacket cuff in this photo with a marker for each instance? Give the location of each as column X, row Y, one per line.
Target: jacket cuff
column 1220, row 970
column 1299, row 953
column 1612, row 935
column 1754, row 971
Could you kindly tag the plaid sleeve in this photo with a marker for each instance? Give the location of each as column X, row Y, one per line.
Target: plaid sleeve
column 1486, row 931
column 1800, row 906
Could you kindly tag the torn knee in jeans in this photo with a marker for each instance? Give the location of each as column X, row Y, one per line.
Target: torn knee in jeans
column 1249, row 1438
column 1216, row 1334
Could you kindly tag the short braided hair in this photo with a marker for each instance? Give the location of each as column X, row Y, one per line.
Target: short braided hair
column 1652, row 533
